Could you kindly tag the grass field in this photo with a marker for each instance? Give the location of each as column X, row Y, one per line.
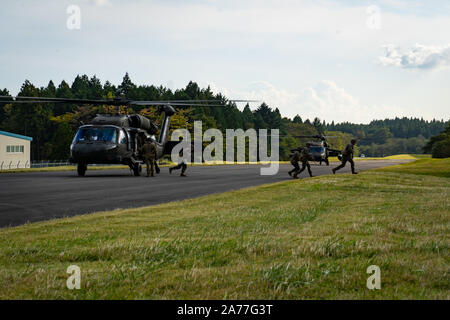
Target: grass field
column 299, row 239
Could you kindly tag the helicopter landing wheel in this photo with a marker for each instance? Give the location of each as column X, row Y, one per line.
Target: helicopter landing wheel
column 81, row 169
column 137, row 169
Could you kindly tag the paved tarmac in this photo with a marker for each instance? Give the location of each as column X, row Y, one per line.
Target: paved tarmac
column 36, row 196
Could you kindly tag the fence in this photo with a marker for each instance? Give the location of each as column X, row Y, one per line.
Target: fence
column 7, row 165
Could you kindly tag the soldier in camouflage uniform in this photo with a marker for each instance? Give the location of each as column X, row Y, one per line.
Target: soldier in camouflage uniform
column 295, row 158
column 347, row 155
column 182, row 164
column 148, row 151
column 302, row 156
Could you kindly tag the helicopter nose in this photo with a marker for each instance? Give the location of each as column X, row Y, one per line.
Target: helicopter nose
column 93, row 152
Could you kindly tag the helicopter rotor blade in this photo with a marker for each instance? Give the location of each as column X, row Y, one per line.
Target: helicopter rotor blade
column 20, row 99
column 21, row 102
column 177, row 104
column 116, row 102
column 195, row 100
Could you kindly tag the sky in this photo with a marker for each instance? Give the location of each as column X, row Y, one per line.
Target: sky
column 337, row 60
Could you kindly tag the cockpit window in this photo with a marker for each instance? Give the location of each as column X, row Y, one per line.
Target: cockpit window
column 122, row 137
column 106, row 134
column 316, row 149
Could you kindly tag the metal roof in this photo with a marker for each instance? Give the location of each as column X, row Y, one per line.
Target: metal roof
column 14, row 135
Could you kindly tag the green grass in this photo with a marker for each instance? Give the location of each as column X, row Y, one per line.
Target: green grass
column 421, row 156
column 430, row 167
column 299, row 239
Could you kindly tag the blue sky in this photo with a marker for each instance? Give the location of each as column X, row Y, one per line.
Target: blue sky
column 338, row 60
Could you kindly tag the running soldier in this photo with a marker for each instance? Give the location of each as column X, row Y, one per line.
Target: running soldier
column 181, row 165
column 295, row 158
column 302, row 156
column 347, row 155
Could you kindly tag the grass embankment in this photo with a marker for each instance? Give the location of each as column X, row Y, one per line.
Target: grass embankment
column 428, row 167
column 311, row 238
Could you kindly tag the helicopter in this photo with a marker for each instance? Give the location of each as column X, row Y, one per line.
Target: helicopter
column 320, row 151
column 117, row 139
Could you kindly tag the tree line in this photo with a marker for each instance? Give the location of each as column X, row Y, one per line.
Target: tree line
column 392, row 136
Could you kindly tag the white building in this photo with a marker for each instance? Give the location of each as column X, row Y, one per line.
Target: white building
column 14, row 150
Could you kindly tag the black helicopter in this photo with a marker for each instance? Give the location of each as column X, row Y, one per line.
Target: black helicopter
column 320, row 150
column 116, row 139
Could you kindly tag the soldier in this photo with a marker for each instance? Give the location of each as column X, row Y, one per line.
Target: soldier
column 303, row 156
column 148, row 151
column 347, row 155
column 181, row 165
column 295, row 158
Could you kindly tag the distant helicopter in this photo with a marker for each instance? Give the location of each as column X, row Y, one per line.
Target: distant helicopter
column 116, row 139
column 320, row 150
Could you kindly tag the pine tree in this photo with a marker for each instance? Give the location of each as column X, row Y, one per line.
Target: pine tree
column 63, row 91
column 297, row 119
column 80, row 87
column 95, row 88
column 126, row 88
column 3, row 92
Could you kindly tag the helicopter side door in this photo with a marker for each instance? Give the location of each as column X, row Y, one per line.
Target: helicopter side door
column 124, row 147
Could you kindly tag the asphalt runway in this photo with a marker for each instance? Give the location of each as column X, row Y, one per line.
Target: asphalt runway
column 36, row 196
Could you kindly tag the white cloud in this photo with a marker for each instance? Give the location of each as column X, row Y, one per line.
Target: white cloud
column 292, row 43
column 418, row 57
column 325, row 100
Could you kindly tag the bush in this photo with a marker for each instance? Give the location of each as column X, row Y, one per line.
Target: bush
column 441, row 149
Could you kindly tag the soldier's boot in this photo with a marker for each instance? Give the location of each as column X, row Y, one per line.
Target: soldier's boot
column 334, row 171
column 290, row 173
column 353, row 168
column 309, row 170
column 170, row 170
column 183, row 170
